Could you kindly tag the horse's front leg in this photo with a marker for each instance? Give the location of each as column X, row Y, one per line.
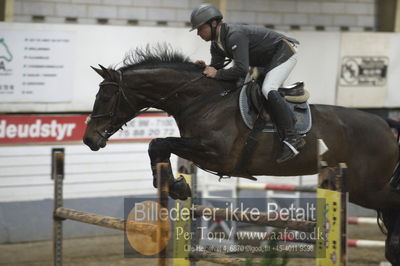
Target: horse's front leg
column 160, row 150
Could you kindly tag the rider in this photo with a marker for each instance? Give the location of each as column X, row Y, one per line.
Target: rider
column 252, row 46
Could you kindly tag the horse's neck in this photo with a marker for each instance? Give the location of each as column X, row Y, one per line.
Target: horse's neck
column 198, row 94
column 179, row 89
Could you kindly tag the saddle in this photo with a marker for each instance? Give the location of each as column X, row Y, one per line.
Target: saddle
column 251, row 102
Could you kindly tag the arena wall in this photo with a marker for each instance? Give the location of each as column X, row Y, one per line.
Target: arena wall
column 321, row 64
column 333, row 15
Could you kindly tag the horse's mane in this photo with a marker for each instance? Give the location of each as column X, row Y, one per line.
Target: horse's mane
column 160, row 55
column 163, row 56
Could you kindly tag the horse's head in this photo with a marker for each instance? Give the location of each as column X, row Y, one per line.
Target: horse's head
column 112, row 109
column 159, row 78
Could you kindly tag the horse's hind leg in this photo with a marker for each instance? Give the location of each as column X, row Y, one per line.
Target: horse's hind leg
column 391, row 219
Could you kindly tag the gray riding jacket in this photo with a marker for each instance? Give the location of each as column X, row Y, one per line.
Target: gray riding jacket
column 249, row 46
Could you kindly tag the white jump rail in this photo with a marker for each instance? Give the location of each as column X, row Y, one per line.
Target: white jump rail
column 361, row 243
column 361, row 220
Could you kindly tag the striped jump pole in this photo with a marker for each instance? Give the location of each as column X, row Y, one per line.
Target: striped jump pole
column 353, row 243
column 277, row 187
column 296, row 188
column 361, row 220
column 361, row 243
column 263, row 219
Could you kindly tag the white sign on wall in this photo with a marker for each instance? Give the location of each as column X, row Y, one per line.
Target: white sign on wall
column 364, row 71
column 363, row 76
column 147, row 127
column 36, row 66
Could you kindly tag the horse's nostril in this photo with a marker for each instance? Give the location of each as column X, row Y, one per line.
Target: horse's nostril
column 87, row 141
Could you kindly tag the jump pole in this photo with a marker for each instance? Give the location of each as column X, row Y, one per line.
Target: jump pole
column 361, row 243
column 296, row 188
column 57, row 174
column 362, row 220
column 103, row 221
column 261, row 219
column 276, row 187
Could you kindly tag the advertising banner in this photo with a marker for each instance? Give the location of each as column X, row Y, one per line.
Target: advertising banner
column 43, row 129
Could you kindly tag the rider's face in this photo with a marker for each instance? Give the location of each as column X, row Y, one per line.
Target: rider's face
column 204, row 32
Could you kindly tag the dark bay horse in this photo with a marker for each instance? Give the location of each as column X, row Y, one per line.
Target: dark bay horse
column 213, row 133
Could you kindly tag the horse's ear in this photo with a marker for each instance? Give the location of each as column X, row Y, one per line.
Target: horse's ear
column 103, row 68
column 113, row 74
column 106, row 73
column 99, row 71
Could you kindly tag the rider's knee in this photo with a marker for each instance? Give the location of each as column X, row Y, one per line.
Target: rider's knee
column 269, row 87
column 273, row 94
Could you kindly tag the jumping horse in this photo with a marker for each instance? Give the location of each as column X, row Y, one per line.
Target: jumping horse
column 213, row 133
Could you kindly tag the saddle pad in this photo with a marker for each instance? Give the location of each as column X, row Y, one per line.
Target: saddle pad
column 301, row 110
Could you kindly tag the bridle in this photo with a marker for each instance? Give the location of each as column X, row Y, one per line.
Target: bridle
column 111, row 128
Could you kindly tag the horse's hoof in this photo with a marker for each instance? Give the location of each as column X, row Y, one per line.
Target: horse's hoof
column 180, row 189
column 392, row 251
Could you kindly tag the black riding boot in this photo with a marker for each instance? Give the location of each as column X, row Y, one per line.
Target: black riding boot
column 284, row 120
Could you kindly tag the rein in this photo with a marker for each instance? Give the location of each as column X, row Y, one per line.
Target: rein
column 111, row 129
column 164, row 99
column 226, row 62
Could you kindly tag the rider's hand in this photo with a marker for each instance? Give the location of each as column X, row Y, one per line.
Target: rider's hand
column 200, row 63
column 210, row 72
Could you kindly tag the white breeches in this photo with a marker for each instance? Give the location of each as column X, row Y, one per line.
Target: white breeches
column 276, row 76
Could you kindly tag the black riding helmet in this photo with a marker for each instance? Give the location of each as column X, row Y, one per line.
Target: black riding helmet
column 205, row 14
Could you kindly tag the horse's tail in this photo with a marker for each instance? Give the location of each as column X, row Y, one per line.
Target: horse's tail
column 382, row 218
column 395, row 180
column 380, row 222
column 394, row 124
